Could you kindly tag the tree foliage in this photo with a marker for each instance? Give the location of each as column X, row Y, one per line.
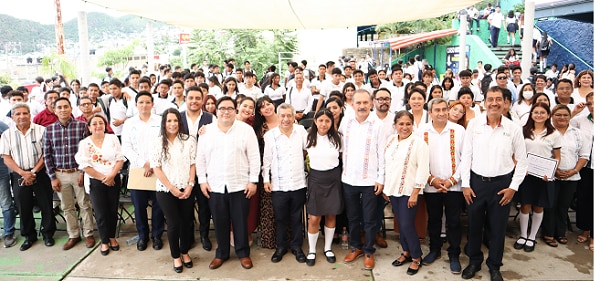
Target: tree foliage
column 261, row 48
column 55, row 63
column 117, row 57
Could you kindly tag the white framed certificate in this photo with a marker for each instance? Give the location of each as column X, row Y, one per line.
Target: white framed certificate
column 540, row 166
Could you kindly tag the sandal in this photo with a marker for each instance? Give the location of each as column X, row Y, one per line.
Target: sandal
column 562, row 240
column 582, row 238
column 550, row 241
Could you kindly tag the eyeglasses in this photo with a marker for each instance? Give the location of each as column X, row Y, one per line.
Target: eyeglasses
column 226, row 109
column 85, row 104
column 458, row 110
column 501, row 77
column 383, row 99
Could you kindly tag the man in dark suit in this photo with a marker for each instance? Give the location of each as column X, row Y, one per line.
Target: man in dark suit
column 193, row 119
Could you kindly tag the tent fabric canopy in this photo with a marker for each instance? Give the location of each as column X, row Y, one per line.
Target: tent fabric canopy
column 409, row 40
column 282, row 14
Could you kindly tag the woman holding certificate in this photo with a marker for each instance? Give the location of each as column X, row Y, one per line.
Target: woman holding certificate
column 543, row 140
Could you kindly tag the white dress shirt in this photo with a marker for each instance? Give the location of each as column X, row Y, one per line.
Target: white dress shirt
column 228, row 159
column 301, row 100
column 574, row 147
column 508, row 142
column 283, row 160
column 182, row 155
column 586, row 125
column 324, row 156
column 406, row 165
column 363, row 151
column 445, row 150
column 137, row 139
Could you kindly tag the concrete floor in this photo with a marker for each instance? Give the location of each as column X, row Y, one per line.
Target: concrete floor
column 573, row 261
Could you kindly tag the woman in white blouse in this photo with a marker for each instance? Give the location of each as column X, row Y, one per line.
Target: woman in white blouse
column 416, row 101
column 100, row 157
column 173, row 159
column 325, row 196
column 534, row 193
column 574, row 154
column 406, row 173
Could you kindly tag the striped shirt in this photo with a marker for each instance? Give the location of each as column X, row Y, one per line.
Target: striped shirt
column 61, row 143
column 25, row 149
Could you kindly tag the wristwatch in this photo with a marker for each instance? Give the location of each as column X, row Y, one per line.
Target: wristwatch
column 190, row 183
column 33, row 171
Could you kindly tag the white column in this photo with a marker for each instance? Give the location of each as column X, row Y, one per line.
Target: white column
column 85, row 72
column 150, row 46
column 462, row 42
column 526, row 48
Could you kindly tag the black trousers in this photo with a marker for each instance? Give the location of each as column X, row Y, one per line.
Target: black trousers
column 140, row 199
column 453, row 202
column 555, row 219
column 24, row 200
column 287, row 208
column 230, row 209
column 105, row 201
column 585, row 201
column 179, row 215
column 203, row 211
column 361, row 200
column 486, row 206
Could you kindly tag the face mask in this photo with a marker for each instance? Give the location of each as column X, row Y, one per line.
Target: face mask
column 527, row 94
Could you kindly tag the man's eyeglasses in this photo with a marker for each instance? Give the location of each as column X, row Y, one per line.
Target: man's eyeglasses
column 226, row 109
column 501, row 77
column 383, row 99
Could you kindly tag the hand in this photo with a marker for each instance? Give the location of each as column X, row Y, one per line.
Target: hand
column 186, row 192
column 56, row 185
column 202, row 130
column 385, row 197
column 267, row 186
column 545, row 178
column 378, row 188
column 412, row 201
column 250, row 190
column 469, row 195
column 97, row 109
column 109, row 180
column 205, row 188
column 562, row 174
column 28, row 177
column 118, row 122
column 507, row 196
column 80, row 179
column 147, row 170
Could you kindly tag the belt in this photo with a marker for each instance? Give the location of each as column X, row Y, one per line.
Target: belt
column 490, row 179
column 68, row 171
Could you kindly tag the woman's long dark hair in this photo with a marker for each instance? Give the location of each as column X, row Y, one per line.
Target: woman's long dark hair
column 163, row 131
column 451, row 83
column 340, row 103
column 224, row 88
column 333, row 134
column 530, row 125
column 260, row 120
column 431, row 91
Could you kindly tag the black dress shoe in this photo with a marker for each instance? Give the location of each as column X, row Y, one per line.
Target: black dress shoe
column 411, row 271
column 104, row 252
column 495, row 275
column 142, row 245
column 114, row 248
column 300, row 257
column 189, row 264
column 157, row 243
column 49, row 242
column 178, row 269
column 310, row 259
column 278, row 255
column 206, row 244
column 26, row 245
column 470, row 271
column 330, row 259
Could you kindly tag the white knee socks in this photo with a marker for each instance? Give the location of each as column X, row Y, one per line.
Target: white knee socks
column 536, row 222
column 524, row 223
column 312, row 242
column 329, row 232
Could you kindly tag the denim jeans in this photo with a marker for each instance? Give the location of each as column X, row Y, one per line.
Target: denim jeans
column 7, row 205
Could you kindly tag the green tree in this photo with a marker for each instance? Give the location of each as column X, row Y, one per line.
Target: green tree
column 260, row 47
column 118, row 57
column 55, row 63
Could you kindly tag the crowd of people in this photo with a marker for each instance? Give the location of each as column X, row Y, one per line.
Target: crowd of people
column 340, row 142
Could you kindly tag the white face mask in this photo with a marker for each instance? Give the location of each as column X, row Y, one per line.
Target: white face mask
column 527, row 94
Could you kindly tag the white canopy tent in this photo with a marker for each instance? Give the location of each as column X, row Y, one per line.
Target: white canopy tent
column 282, row 14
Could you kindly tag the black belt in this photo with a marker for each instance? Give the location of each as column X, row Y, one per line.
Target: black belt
column 490, row 179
